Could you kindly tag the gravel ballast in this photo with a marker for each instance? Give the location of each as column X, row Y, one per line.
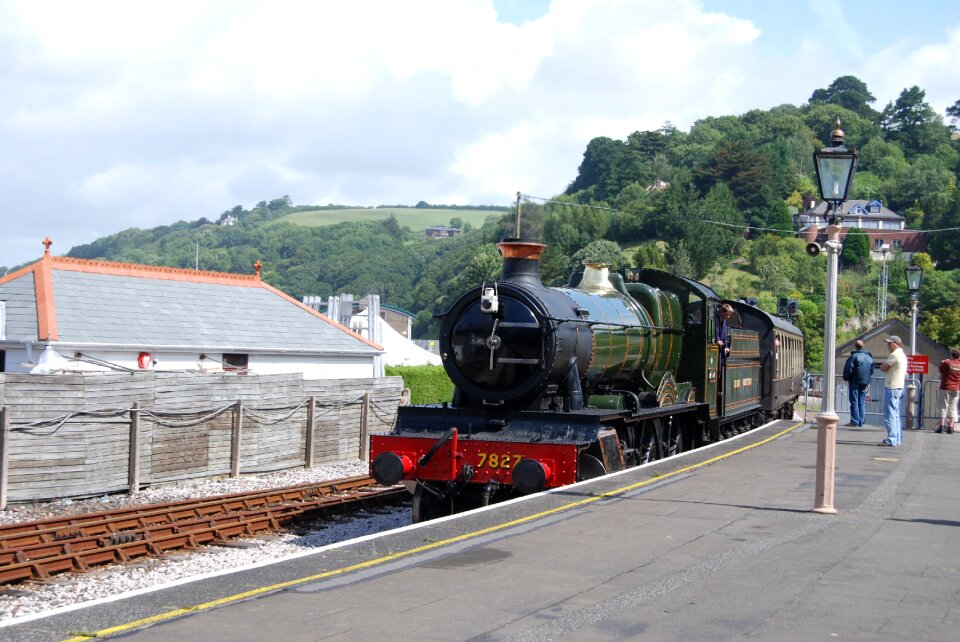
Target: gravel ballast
column 32, row 599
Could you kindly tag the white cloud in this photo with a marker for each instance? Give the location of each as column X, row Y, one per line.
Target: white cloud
column 121, row 113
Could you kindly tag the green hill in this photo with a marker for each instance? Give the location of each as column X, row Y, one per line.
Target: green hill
column 417, row 219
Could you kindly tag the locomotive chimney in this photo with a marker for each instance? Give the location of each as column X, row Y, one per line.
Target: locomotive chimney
column 521, row 261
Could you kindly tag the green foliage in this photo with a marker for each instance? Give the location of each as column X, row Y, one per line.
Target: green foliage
column 650, row 255
column 945, row 247
column 943, row 327
column 856, row 249
column 605, row 252
column 849, row 92
column 705, row 239
column 427, row 384
column 912, row 123
column 681, row 262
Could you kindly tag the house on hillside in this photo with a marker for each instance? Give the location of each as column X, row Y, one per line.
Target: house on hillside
column 442, row 232
column 101, row 315
column 883, row 226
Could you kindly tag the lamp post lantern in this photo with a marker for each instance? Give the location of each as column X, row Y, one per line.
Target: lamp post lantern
column 914, row 275
column 914, row 278
column 835, row 166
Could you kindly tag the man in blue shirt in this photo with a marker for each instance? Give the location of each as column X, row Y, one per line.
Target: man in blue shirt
column 857, row 372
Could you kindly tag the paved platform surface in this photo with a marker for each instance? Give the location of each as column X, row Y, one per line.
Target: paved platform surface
column 720, row 545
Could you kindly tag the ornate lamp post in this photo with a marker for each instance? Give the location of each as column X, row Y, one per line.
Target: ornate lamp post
column 836, row 166
column 914, row 278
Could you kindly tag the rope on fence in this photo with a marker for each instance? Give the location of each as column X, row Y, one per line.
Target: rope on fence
column 56, row 423
column 157, row 416
column 387, row 416
column 265, row 419
column 384, row 412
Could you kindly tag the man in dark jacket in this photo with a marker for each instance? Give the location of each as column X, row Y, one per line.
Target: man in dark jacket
column 857, row 372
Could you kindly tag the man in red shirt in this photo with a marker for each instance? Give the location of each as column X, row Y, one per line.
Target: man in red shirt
column 950, row 385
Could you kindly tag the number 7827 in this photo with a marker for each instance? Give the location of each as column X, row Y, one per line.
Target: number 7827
column 498, row 460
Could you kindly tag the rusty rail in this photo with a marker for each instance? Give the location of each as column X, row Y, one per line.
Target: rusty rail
column 39, row 549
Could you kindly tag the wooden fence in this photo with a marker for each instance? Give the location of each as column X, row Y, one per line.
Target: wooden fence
column 85, row 435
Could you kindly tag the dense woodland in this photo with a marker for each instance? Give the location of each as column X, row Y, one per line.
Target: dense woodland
column 720, row 210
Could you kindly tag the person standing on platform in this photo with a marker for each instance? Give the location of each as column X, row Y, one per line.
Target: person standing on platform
column 895, row 371
column 950, row 385
column 857, row 372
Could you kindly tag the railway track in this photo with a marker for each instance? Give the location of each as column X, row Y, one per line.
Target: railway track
column 39, row 549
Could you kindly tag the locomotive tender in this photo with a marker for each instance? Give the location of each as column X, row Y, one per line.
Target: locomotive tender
column 554, row 385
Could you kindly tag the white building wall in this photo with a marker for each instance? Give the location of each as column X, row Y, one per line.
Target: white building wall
column 311, row 366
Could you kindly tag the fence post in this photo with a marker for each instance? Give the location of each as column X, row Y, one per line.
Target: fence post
column 364, row 427
column 311, row 420
column 134, row 469
column 4, row 454
column 235, row 443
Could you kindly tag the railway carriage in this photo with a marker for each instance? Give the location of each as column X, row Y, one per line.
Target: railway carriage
column 556, row 385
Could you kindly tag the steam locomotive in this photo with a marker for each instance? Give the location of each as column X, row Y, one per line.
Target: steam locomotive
column 554, row 385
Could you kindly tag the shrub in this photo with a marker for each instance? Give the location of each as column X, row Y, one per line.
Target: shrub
column 428, row 384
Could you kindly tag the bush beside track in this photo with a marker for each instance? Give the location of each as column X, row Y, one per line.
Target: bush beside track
column 427, row 384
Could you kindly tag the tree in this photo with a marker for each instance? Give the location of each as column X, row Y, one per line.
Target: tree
column 484, row 265
column 281, row 203
column 850, row 93
column 392, row 227
column 743, row 168
column 650, row 255
column 603, row 251
column 912, row 123
column 856, row 249
column 943, row 327
column 953, row 111
column 822, row 120
column 880, row 157
column 716, row 230
column 926, row 184
column 680, row 260
column 603, row 170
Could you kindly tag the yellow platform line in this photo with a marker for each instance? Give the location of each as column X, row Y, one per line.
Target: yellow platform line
column 413, row 551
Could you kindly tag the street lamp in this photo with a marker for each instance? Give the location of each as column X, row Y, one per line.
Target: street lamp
column 914, row 278
column 836, row 166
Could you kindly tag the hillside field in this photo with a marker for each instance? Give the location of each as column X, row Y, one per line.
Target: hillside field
column 417, row 219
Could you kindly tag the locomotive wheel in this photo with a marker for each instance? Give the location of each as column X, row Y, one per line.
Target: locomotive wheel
column 649, row 444
column 675, row 441
column 427, row 506
column 589, row 467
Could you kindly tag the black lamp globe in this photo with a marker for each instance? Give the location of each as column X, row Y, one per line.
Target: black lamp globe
column 836, row 166
column 914, row 277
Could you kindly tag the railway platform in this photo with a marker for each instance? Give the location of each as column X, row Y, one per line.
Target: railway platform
column 719, row 544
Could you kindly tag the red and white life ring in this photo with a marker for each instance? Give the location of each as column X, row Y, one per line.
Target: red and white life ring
column 144, row 360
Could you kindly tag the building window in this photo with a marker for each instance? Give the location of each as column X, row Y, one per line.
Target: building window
column 896, row 244
column 236, row 363
column 3, row 361
column 877, row 243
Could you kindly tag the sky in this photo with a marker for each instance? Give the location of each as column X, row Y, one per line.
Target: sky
column 119, row 114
